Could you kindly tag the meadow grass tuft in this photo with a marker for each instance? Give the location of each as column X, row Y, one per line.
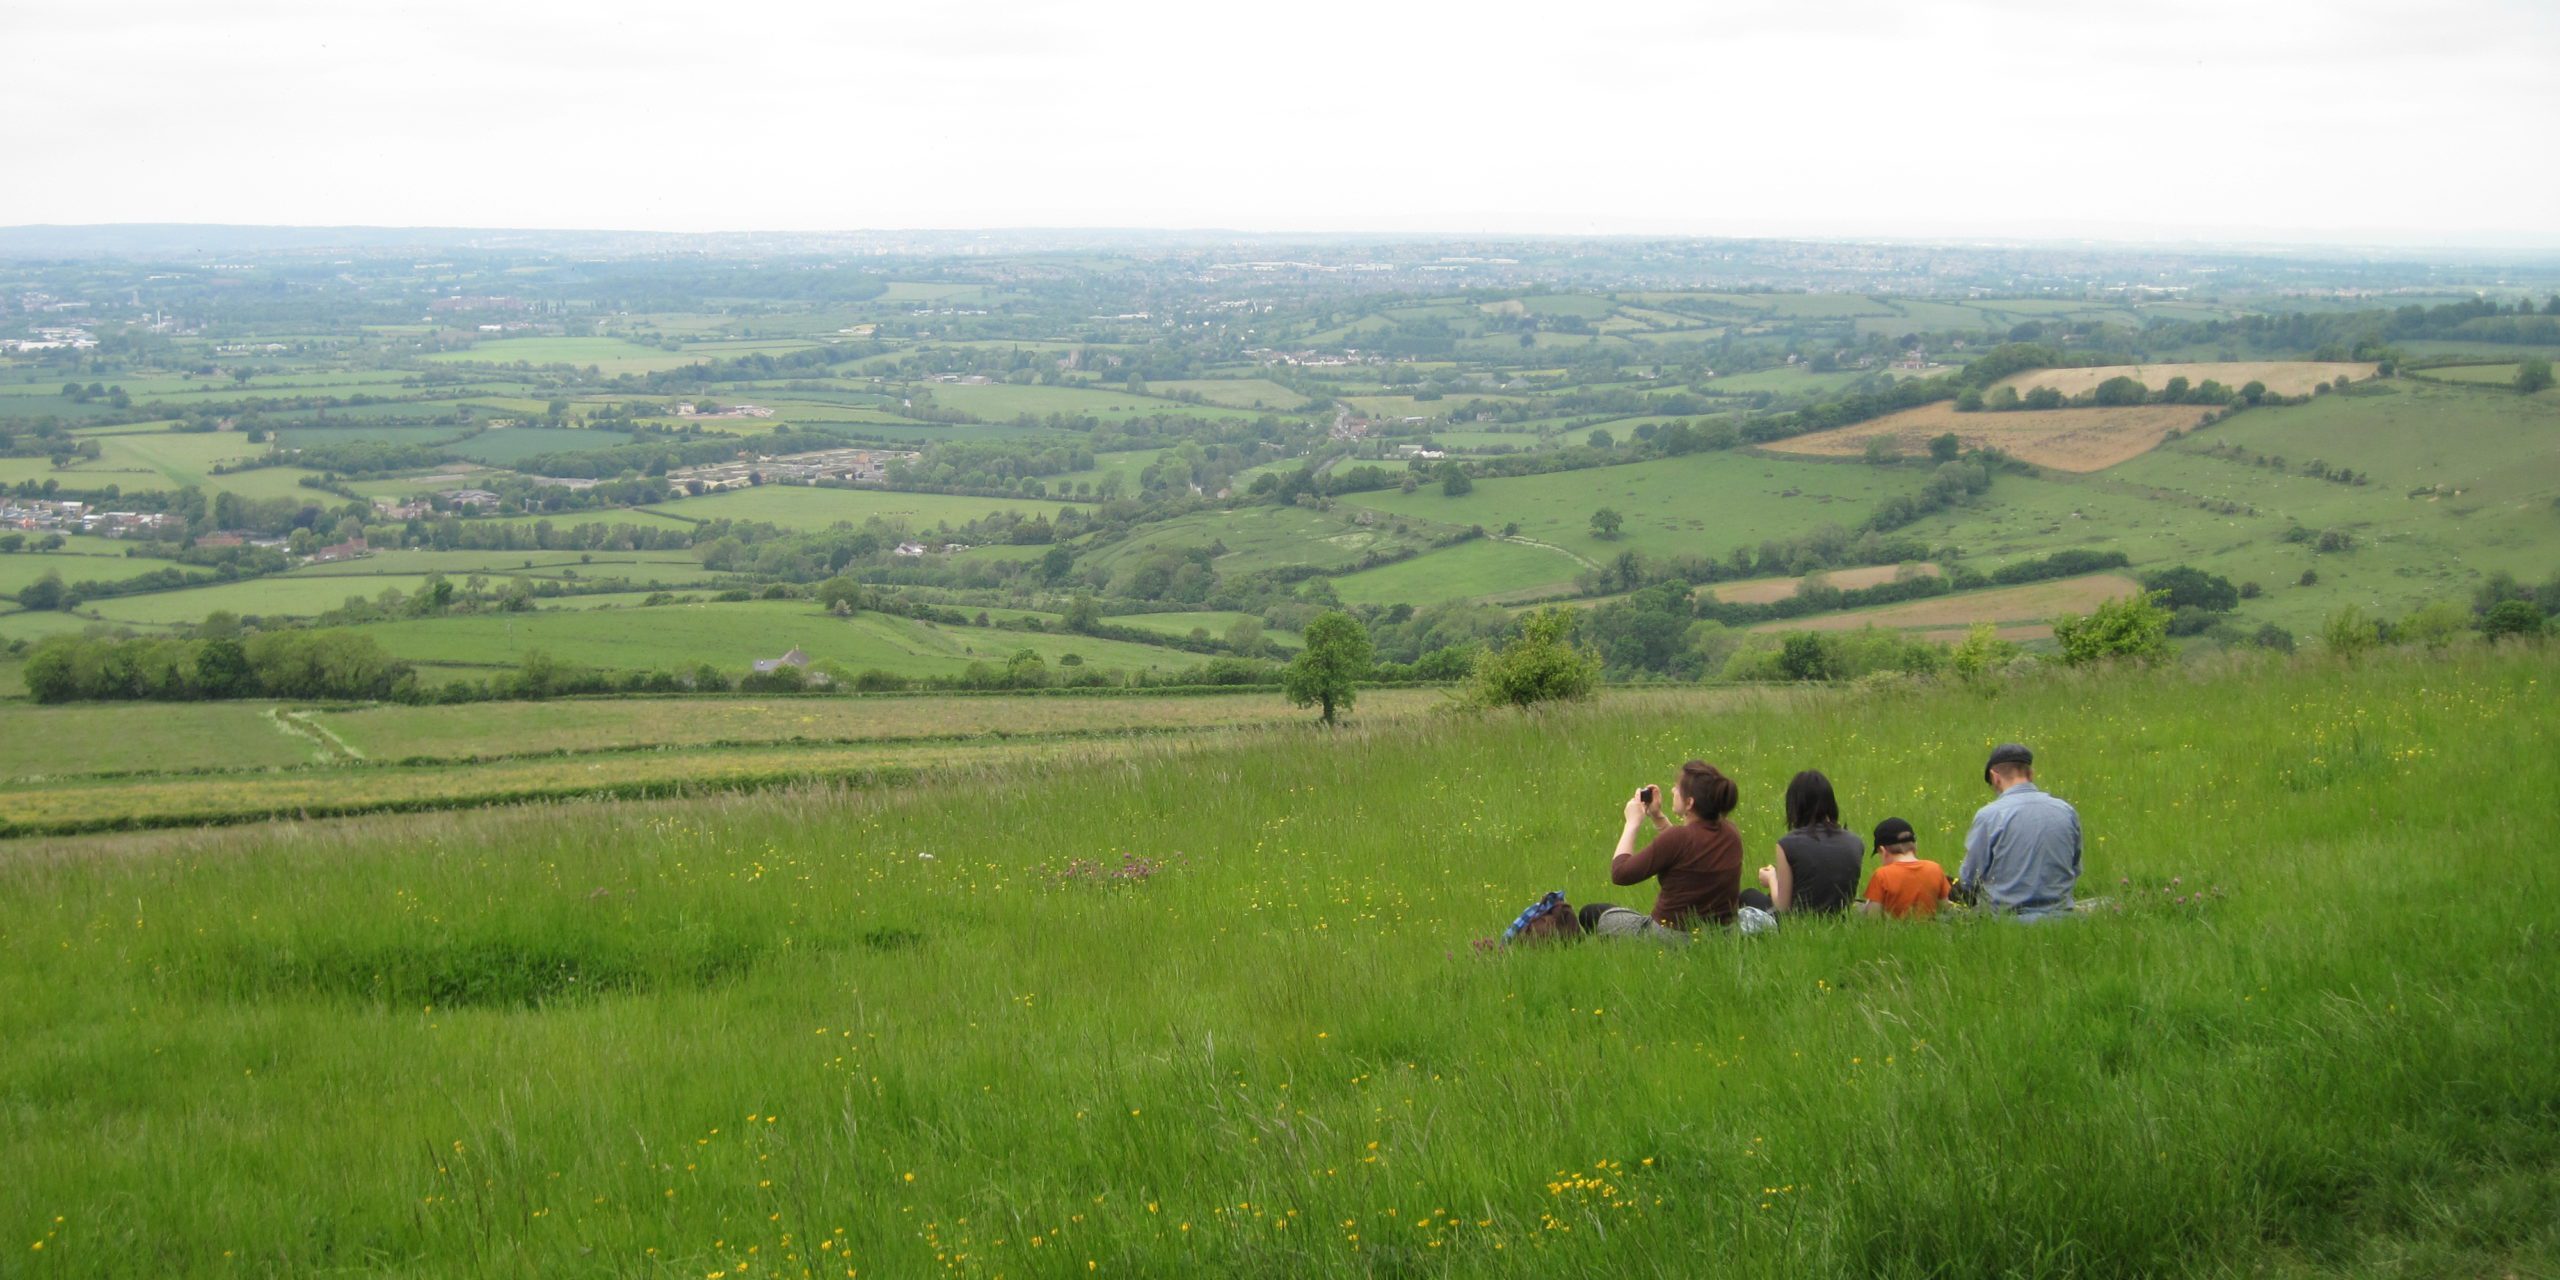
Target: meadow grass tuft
column 932, row 1031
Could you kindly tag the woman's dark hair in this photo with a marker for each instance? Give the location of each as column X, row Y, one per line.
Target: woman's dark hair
column 1810, row 802
column 1711, row 794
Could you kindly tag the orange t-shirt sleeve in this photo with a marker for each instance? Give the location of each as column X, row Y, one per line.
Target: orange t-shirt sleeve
column 1875, row 886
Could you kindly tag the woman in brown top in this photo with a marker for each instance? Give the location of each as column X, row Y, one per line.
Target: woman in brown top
column 1697, row 864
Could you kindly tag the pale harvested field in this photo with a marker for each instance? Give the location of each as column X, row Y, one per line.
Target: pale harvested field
column 2063, row 439
column 2284, row 377
column 1772, row 590
column 2020, row 613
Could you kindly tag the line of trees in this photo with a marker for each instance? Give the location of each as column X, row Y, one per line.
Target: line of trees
column 325, row 664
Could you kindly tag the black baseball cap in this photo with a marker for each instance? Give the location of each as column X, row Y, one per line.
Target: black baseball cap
column 2008, row 753
column 1894, row 831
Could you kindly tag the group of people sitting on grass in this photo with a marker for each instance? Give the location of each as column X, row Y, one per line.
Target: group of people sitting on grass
column 2021, row 860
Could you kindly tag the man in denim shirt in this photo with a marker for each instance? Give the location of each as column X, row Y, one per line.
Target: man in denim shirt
column 2023, row 854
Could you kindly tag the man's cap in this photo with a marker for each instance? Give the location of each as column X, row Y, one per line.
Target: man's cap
column 2008, row 753
column 1894, row 831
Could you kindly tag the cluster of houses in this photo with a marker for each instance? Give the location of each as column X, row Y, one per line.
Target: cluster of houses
column 331, row 554
column 855, row 466
column 912, row 548
column 52, row 338
column 49, row 515
column 691, row 410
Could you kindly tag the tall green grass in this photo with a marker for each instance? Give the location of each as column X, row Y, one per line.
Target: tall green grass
column 770, row 1035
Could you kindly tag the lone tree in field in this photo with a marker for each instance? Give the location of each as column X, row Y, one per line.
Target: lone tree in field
column 1605, row 523
column 1335, row 659
column 1454, row 480
column 2533, row 375
column 1945, row 448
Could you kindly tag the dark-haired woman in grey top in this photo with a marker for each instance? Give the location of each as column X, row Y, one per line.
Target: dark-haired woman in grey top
column 1816, row 871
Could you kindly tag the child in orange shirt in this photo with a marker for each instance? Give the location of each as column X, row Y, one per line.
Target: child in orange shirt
column 1904, row 884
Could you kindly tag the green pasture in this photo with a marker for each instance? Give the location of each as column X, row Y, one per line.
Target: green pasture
column 21, row 624
column 1003, row 402
column 81, row 559
column 2504, row 374
column 1212, row 621
column 809, row 507
column 670, row 566
column 511, row 445
column 608, row 355
column 1235, row 393
column 144, row 461
column 844, row 1029
column 112, row 738
column 1699, row 504
column 644, row 517
column 733, row 635
column 1478, row 567
column 932, row 291
column 1126, row 464
column 315, row 437
column 285, row 596
column 1259, row 537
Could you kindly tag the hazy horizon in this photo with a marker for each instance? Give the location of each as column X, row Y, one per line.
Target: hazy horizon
column 2171, row 122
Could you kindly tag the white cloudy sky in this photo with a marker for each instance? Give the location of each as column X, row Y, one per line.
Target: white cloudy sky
column 2259, row 119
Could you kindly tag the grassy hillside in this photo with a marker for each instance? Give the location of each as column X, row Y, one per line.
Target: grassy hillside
column 1703, row 504
column 803, row 507
column 2459, row 483
column 908, row 1033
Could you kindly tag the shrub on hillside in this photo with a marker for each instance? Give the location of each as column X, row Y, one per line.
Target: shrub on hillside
column 2134, row 628
column 2512, row 618
column 1981, row 653
column 2350, row 631
column 2186, row 587
column 1541, row 664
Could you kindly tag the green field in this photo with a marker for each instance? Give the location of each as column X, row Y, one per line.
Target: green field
column 806, row 507
column 80, row 559
column 1702, row 504
column 733, row 635
column 284, row 596
column 1478, row 567
column 1182, row 624
column 1259, row 538
column 140, row 460
column 752, row 1035
column 1126, row 464
column 1003, row 402
column 2498, row 374
column 608, row 355
column 640, row 566
column 515, row 444
column 111, row 738
column 2488, row 450
column 1234, row 393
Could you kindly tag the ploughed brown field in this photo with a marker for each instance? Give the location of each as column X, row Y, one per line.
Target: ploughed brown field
column 2020, row 613
column 2284, row 377
column 2063, row 439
